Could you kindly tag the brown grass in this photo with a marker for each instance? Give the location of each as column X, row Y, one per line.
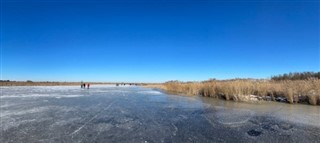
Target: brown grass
column 240, row 90
column 159, row 86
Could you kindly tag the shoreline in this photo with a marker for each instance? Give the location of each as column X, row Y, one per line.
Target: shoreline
column 250, row 98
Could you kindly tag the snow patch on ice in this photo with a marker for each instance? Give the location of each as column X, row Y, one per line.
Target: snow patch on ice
column 233, row 116
column 22, row 112
column 150, row 92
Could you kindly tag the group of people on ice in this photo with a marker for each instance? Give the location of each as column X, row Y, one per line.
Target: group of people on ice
column 83, row 85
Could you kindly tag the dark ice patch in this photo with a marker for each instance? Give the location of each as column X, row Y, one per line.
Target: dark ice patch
column 285, row 126
column 268, row 128
column 254, row 133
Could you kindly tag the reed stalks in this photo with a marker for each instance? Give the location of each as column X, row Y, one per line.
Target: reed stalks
column 294, row 91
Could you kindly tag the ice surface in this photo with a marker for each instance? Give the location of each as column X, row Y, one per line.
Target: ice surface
column 107, row 113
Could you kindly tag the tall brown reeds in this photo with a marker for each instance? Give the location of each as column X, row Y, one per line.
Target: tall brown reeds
column 293, row 91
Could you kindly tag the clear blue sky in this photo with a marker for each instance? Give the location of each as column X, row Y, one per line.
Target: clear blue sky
column 156, row 41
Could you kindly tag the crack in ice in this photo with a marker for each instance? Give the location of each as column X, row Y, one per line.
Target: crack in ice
column 95, row 116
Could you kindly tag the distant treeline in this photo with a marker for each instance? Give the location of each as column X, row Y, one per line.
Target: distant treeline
column 297, row 76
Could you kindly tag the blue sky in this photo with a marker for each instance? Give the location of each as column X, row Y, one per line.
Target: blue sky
column 156, row 41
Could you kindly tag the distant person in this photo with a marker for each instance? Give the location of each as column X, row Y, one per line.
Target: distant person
column 81, row 85
column 88, row 85
column 84, row 85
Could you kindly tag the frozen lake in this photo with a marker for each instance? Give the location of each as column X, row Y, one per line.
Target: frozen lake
column 137, row 114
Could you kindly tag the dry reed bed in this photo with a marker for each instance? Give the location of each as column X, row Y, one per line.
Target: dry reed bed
column 158, row 86
column 298, row 91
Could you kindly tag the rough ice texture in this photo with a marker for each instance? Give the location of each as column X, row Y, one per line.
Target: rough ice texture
column 136, row 114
